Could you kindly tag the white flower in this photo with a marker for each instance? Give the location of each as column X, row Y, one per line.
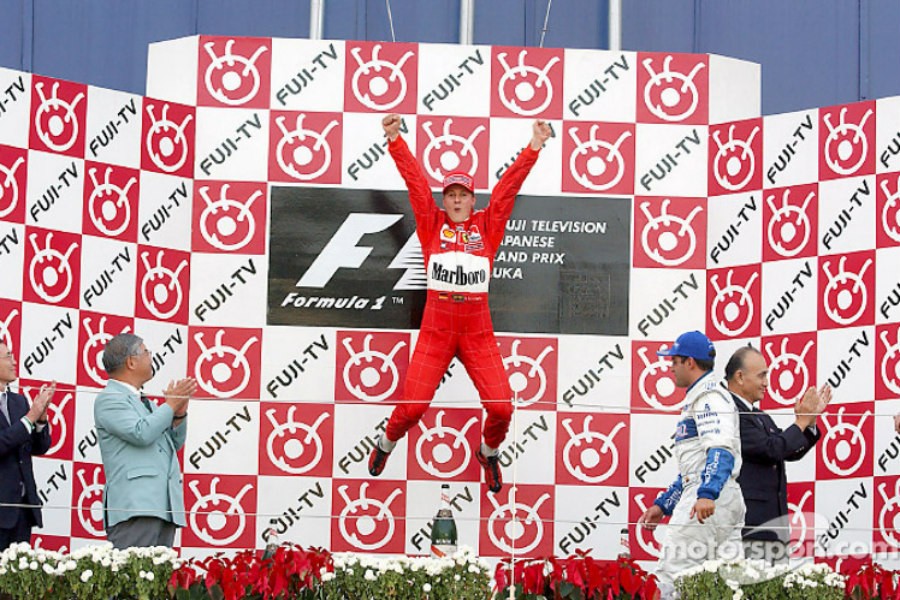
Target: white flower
column 87, row 574
column 426, row 588
column 33, row 565
column 326, row 577
column 370, row 576
column 48, row 569
column 457, row 577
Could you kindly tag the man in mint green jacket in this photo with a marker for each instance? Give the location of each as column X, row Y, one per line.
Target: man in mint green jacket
column 139, row 441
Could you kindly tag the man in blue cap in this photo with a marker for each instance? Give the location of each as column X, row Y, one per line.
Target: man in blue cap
column 705, row 501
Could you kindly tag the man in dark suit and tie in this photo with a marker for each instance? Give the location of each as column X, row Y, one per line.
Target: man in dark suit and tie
column 24, row 433
column 139, row 442
column 765, row 448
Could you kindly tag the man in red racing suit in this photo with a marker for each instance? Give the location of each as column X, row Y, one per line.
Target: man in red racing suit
column 458, row 245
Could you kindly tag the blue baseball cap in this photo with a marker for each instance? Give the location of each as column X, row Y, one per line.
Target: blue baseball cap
column 691, row 344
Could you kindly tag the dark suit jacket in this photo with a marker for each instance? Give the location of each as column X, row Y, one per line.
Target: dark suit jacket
column 764, row 450
column 17, row 446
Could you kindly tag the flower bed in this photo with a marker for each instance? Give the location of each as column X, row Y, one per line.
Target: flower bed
column 294, row 573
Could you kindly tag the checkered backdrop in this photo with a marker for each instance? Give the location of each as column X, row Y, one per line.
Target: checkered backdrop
column 227, row 216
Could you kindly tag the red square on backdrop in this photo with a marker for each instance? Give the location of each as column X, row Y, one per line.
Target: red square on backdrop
column 790, row 222
column 447, row 144
column 735, row 157
column 652, row 382
column 234, row 71
column 598, row 157
column 296, row 439
column 58, row 116
column 642, row 542
column 163, row 282
column 735, row 302
column 443, row 445
column 886, row 513
column 60, row 414
column 381, row 77
column 225, row 361
column 847, row 140
column 52, row 267
column 11, row 324
column 371, row 366
column 592, row 449
column 167, row 144
column 305, row 147
column 55, row 543
column 532, row 366
column 221, row 511
column 847, row 290
column 887, row 207
column 792, row 368
column 527, row 82
column 13, row 178
column 670, row 232
column 532, row 506
column 887, row 361
column 87, row 501
column 111, row 201
column 368, row 516
column 672, row 88
column 95, row 330
column 848, row 434
column 802, row 511
column 229, row 217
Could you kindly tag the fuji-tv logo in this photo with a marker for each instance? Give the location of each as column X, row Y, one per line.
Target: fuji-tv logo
column 383, row 77
column 600, row 157
column 13, row 174
column 235, row 72
column 59, row 110
column 454, row 144
column 221, row 511
column 526, row 82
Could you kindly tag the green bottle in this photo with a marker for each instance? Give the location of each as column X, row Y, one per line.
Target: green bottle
column 443, row 529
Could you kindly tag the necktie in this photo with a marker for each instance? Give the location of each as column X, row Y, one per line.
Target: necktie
column 146, row 402
column 4, row 407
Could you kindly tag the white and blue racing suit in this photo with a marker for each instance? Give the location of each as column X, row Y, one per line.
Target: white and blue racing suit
column 708, row 453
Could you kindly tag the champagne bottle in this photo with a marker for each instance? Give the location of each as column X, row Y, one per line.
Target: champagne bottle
column 624, row 544
column 443, row 529
column 271, row 543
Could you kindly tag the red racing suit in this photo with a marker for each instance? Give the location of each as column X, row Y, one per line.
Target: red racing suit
column 457, row 321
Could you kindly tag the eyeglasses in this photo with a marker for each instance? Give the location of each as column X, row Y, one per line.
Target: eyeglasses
column 143, row 352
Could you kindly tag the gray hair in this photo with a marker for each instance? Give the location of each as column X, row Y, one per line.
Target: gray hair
column 118, row 349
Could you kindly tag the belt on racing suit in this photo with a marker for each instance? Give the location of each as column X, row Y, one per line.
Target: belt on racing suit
column 456, row 296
